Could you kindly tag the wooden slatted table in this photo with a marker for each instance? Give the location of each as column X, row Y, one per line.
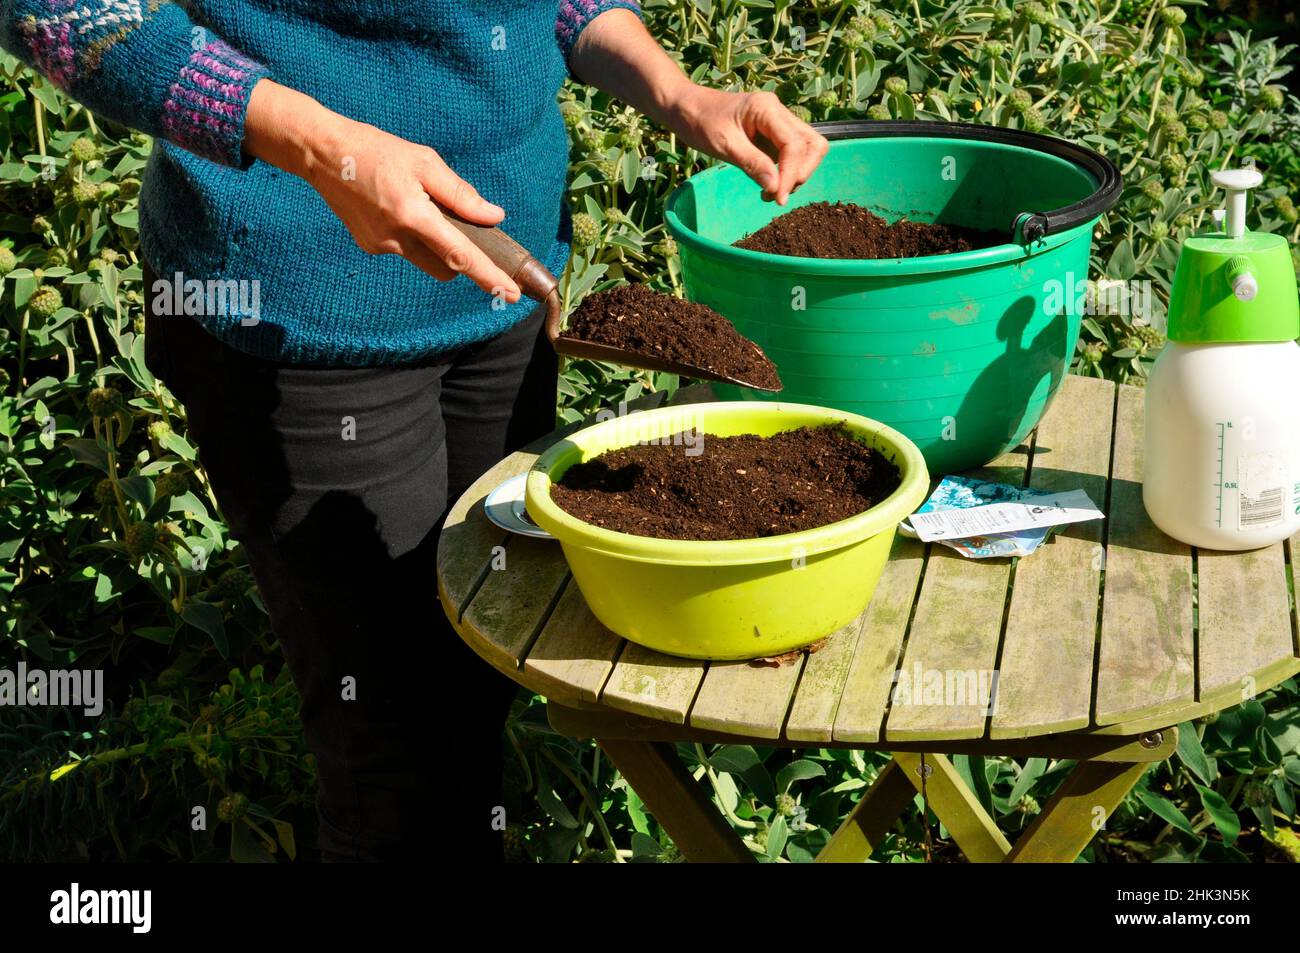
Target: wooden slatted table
column 1101, row 642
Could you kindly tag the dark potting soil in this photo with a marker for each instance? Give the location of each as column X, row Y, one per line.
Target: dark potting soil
column 843, row 230
column 634, row 318
column 740, row 487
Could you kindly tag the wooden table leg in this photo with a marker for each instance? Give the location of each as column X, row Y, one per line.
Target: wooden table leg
column 677, row 801
column 868, row 822
column 1072, row 817
column 1059, row 834
column 955, row 804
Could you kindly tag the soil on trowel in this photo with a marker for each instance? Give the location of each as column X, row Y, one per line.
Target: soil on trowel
column 697, row 486
column 634, row 318
column 843, row 230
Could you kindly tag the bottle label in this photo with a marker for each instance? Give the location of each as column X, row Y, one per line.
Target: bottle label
column 1262, row 483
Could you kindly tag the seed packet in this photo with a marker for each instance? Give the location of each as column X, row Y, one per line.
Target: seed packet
column 958, row 492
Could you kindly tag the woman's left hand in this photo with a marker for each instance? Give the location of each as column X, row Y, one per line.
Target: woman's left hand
column 754, row 131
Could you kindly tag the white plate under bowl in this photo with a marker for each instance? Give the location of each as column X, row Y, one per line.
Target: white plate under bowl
column 505, row 507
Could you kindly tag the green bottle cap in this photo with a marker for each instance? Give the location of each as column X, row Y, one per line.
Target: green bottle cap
column 1234, row 290
column 1234, row 285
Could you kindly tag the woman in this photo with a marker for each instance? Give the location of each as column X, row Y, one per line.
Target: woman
column 299, row 146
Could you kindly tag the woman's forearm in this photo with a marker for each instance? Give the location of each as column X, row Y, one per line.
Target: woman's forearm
column 284, row 127
column 752, row 130
column 617, row 54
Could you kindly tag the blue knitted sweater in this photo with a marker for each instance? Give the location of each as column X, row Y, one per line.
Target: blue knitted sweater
column 477, row 81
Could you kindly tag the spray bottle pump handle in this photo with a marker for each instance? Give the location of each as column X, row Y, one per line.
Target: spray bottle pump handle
column 1237, row 183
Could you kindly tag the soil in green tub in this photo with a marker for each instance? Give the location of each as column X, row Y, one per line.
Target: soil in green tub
column 697, row 486
column 844, row 230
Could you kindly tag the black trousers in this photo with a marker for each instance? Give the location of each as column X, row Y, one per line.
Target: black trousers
column 336, row 480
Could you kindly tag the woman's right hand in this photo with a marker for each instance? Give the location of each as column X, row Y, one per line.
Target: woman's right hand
column 378, row 185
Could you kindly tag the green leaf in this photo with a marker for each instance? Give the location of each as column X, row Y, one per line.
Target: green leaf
column 1193, row 756
column 1122, row 264
column 137, row 488
column 246, row 847
column 284, row 834
column 1265, row 817
column 777, row 835
column 636, row 812
column 24, row 286
column 972, row 768
column 1030, row 773
column 630, row 167
column 48, row 96
column 34, row 638
column 643, row 845
column 728, row 794
column 1285, row 796
column 187, row 502
column 1221, row 813
column 552, row 805
column 1166, row 810
column 179, row 446
column 800, row 770
column 736, row 759
column 105, row 591
column 1285, row 729
column 155, row 633
column 146, row 378
column 1252, row 714
column 208, row 618
column 89, row 452
column 1265, row 752
column 1292, row 768
column 799, row 855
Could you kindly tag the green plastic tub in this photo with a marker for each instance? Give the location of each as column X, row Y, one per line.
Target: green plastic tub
column 961, row 353
column 735, row 598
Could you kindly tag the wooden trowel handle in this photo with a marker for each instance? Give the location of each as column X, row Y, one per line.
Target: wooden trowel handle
column 533, row 278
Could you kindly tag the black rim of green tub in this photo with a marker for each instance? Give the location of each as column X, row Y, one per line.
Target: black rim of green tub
column 1028, row 226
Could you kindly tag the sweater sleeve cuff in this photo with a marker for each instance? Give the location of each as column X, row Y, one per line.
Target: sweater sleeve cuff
column 206, row 104
column 576, row 15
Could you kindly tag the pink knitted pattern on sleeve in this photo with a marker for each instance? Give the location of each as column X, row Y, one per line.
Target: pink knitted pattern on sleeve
column 51, row 45
column 203, row 108
column 574, row 15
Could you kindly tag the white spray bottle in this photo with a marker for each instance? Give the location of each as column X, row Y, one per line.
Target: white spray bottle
column 1223, row 400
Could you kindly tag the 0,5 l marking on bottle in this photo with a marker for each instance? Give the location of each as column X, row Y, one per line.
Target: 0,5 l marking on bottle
column 1223, row 426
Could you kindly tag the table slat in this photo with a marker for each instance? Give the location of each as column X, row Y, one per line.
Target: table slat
column 812, row 715
column 1244, row 618
column 648, row 683
column 875, row 659
column 955, row 633
column 574, row 653
column 1045, row 673
column 514, row 601
column 1146, row 655
column 744, row 698
column 468, row 537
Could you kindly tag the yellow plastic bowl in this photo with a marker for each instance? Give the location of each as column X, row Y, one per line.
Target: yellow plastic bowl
column 727, row 599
